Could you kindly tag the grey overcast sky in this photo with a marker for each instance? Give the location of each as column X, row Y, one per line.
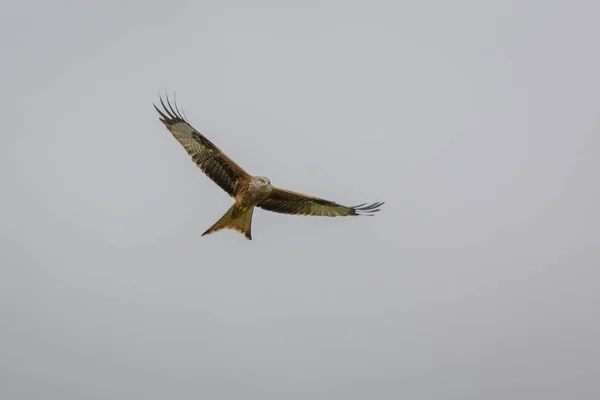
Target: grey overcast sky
column 476, row 121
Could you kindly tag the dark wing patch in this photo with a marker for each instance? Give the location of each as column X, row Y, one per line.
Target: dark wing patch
column 208, row 157
column 288, row 202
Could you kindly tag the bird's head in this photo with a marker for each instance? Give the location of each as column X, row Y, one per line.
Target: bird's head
column 262, row 184
column 263, row 180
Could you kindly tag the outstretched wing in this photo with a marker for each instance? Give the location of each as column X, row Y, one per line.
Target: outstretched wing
column 211, row 160
column 288, row 202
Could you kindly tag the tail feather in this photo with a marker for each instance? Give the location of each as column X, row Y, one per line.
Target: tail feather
column 238, row 218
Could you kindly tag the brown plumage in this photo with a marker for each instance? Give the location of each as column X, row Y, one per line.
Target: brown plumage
column 248, row 191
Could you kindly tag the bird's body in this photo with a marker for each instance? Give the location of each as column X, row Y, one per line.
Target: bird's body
column 247, row 191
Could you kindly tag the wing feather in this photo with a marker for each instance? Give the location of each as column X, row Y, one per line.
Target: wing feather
column 208, row 157
column 288, row 202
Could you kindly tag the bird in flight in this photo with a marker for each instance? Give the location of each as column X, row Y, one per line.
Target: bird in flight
column 247, row 190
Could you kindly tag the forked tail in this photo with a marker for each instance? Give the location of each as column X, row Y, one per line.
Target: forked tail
column 238, row 218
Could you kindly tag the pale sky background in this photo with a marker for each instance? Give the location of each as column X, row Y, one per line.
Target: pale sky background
column 476, row 121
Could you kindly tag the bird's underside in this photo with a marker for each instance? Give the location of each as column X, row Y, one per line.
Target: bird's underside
column 247, row 191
